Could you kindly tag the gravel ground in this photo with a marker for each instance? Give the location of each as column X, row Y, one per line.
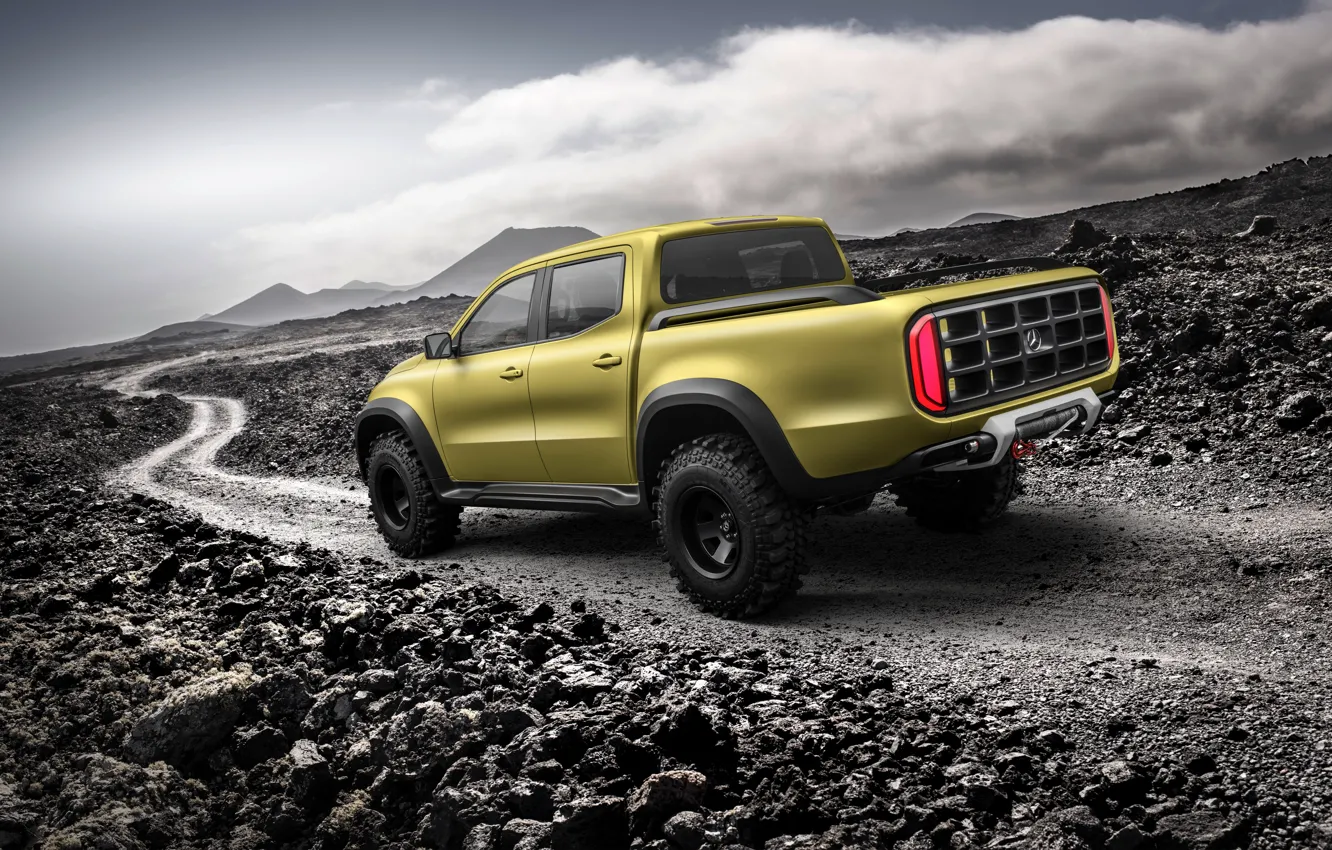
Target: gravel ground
column 212, row 651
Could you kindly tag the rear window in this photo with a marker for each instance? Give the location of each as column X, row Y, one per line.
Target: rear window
column 742, row 262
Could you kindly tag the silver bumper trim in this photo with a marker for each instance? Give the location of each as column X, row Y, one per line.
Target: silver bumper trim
column 1003, row 426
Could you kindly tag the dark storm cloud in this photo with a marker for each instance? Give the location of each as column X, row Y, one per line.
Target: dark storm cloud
column 871, row 130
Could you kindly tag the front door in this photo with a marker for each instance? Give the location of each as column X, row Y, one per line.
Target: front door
column 580, row 371
column 481, row 395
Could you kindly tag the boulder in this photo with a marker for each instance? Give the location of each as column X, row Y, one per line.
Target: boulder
column 191, row 722
column 687, row 830
column 591, row 824
column 1083, row 235
column 1262, row 225
column 1299, row 411
column 311, row 784
column 1199, row 830
column 665, row 794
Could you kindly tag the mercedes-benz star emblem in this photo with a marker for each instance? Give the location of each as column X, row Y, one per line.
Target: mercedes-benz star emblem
column 1033, row 337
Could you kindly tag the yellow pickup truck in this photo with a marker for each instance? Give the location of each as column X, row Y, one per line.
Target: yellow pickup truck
column 728, row 378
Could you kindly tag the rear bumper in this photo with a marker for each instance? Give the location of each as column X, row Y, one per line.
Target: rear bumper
column 1070, row 414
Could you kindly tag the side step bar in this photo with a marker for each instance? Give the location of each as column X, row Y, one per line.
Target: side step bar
column 596, row 498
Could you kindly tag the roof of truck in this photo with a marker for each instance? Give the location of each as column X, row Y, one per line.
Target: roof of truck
column 675, row 230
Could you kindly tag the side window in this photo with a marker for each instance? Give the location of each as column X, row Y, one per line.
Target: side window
column 584, row 294
column 501, row 320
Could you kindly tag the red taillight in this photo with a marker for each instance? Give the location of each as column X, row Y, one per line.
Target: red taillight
column 926, row 368
column 1109, row 323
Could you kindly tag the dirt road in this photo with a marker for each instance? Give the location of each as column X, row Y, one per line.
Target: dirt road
column 1056, row 580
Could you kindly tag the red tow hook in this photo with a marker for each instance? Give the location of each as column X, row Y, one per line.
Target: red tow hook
column 1023, row 449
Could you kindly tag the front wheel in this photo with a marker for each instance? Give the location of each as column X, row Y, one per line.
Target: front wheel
column 733, row 538
column 410, row 518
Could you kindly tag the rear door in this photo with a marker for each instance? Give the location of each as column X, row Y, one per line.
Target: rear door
column 580, row 368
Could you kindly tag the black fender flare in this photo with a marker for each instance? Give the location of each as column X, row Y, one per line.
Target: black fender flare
column 744, row 405
column 386, row 414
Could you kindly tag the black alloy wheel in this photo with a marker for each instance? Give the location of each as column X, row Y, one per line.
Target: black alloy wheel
column 393, row 496
column 711, row 532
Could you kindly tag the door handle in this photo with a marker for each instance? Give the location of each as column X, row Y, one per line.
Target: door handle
column 606, row 361
column 511, row 373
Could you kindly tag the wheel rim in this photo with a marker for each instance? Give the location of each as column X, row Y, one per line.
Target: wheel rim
column 395, row 501
column 710, row 531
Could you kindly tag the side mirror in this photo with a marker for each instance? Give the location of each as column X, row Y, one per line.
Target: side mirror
column 438, row 346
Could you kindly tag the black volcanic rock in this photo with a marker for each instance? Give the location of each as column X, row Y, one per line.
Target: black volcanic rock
column 1299, row 410
column 1083, row 235
column 190, row 723
column 1262, row 225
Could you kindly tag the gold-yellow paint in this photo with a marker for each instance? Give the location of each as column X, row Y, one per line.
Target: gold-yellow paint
column 948, row 355
column 943, row 326
column 807, row 366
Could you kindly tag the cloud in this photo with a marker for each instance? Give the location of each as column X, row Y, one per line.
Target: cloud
column 435, row 95
column 871, row 130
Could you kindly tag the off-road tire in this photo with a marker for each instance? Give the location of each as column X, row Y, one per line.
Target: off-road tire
column 959, row 501
column 430, row 526
column 771, row 526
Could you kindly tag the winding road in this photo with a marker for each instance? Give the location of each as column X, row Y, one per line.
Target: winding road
column 1056, row 580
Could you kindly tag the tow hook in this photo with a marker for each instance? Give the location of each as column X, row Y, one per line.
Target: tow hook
column 1023, row 449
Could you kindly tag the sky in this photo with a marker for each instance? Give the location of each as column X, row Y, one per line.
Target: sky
column 160, row 160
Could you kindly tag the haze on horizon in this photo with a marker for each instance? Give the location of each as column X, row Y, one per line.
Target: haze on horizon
column 163, row 160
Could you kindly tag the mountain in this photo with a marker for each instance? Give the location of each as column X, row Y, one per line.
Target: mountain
column 1297, row 190
column 983, row 218
column 372, row 284
column 899, row 231
column 473, row 272
column 179, row 333
column 847, row 237
column 281, row 302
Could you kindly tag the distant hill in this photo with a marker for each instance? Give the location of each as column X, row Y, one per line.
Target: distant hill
column 190, row 328
column 847, row 237
column 899, row 231
column 372, row 284
column 281, row 302
column 473, row 272
column 983, row 218
column 173, row 333
column 1295, row 191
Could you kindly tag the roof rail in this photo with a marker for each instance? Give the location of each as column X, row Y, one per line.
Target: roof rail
column 1039, row 263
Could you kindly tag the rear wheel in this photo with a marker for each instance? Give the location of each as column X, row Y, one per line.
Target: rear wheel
column 733, row 538
column 959, row 501
column 410, row 518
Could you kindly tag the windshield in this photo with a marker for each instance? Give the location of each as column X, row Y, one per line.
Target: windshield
column 743, row 262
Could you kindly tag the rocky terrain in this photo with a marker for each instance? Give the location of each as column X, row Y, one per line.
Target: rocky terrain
column 166, row 683
column 1298, row 191
column 1143, row 664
